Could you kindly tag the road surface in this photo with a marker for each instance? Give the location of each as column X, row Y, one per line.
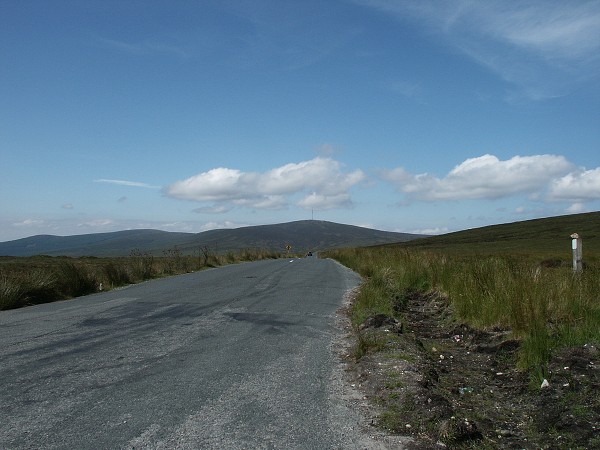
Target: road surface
column 234, row 357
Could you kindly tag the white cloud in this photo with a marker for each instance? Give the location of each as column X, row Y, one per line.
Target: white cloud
column 578, row 186
column 221, row 225
column 216, row 209
column 323, row 177
column 97, row 224
column 29, row 223
column 576, row 208
column 543, row 47
column 484, row 177
column 428, row 231
column 321, row 202
column 265, row 202
column 127, row 183
column 214, row 185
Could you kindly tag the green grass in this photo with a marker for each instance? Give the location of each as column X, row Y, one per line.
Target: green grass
column 504, row 279
column 41, row 279
column 546, row 238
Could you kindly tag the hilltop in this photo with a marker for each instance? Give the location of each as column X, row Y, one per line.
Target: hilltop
column 302, row 236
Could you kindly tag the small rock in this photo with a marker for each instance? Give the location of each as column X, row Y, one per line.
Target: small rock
column 545, row 384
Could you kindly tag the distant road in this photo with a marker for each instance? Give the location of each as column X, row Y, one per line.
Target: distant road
column 235, row 357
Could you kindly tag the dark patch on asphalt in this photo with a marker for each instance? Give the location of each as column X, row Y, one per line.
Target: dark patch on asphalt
column 260, row 319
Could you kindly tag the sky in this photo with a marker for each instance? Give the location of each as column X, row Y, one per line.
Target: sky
column 413, row 116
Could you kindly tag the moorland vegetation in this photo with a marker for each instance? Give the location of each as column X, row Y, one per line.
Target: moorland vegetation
column 486, row 315
column 32, row 280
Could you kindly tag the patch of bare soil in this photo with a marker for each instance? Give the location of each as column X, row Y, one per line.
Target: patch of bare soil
column 452, row 386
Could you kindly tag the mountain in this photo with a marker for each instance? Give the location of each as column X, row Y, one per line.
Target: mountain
column 301, row 235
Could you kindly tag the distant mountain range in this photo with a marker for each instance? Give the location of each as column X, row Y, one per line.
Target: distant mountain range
column 302, row 236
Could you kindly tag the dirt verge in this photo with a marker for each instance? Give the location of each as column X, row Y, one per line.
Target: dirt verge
column 451, row 386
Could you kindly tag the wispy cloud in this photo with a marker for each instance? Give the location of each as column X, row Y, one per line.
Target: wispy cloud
column 143, row 48
column 320, row 182
column 127, row 183
column 543, row 47
column 408, row 89
column 285, row 36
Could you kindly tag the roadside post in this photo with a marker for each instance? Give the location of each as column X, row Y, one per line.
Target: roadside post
column 576, row 245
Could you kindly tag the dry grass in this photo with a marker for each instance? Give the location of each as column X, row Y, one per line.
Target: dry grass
column 545, row 307
column 42, row 279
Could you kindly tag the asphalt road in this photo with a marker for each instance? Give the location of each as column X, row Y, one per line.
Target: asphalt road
column 234, row 357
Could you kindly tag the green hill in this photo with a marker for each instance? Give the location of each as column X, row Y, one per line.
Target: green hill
column 302, row 236
column 548, row 237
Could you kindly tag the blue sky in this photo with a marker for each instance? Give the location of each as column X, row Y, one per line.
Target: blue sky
column 414, row 116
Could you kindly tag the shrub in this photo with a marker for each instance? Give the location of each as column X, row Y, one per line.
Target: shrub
column 74, row 280
column 116, row 275
column 12, row 292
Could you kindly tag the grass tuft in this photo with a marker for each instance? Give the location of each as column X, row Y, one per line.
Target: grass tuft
column 41, row 279
column 545, row 305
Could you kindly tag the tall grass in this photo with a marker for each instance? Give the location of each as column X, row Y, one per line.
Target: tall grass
column 545, row 307
column 33, row 280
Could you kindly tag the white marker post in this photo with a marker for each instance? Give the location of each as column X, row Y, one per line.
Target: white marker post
column 577, row 245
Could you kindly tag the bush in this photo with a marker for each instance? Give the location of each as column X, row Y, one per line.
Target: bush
column 116, row 275
column 142, row 265
column 74, row 281
column 12, row 292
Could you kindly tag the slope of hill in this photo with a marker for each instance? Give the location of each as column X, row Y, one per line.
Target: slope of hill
column 97, row 244
column 549, row 236
column 302, row 236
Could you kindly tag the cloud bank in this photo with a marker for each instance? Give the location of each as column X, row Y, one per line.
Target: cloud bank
column 544, row 177
column 319, row 183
